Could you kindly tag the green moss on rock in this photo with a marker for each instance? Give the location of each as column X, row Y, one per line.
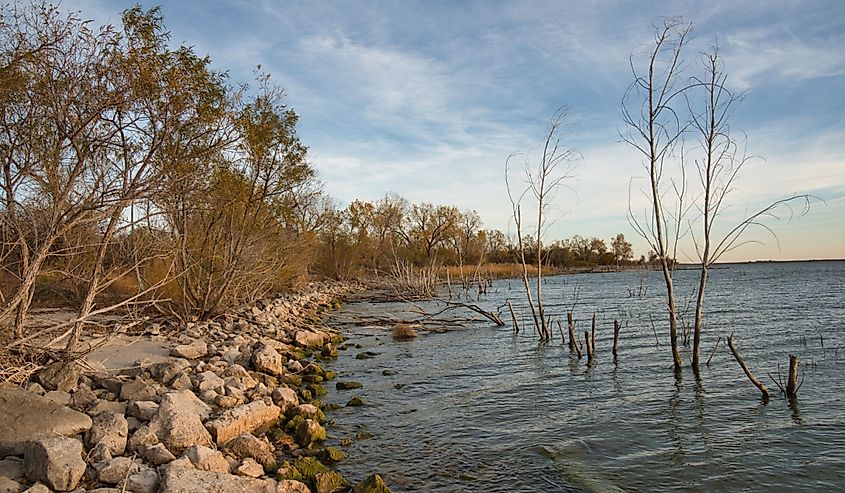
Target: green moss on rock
column 373, row 484
column 356, row 402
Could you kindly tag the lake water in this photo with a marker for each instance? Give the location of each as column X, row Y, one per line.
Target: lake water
column 476, row 408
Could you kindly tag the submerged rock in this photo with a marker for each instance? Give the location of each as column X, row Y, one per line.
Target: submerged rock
column 373, row 484
column 349, row 385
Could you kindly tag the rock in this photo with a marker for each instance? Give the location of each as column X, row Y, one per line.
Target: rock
column 366, row 355
column 9, row 485
column 330, row 482
column 26, row 415
column 309, row 339
column 249, row 446
column 110, row 429
column 308, row 432
column 12, row 468
column 137, row 390
column 105, row 490
column 206, row 459
column 331, row 454
column 59, row 376
column 115, row 470
column 285, row 398
column 60, row 397
column 237, row 376
column 83, row 398
column 142, row 437
column 373, row 484
column 310, row 411
column 294, row 366
column 182, row 382
column 309, row 467
column 143, row 410
column 249, row 468
column 348, row 385
column 107, row 406
column 144, row 480
column 268, row 360
column 208, row 380
column 356, row 402
column 158, row 454
column 181, row 480
column 55, row 461
column 37, row 488
column 246, row 418
column 178, row 423
column 166, row 371
column 196, row 349
column 226, row 401
column 389, row 373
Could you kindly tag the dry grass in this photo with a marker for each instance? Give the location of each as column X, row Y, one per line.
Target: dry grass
column 403, row 331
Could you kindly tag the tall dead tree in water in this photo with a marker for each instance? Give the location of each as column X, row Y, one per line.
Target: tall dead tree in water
column 710, row 104
column 542, row 180
column 655, row 130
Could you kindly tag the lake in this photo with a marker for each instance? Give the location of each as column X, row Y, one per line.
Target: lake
column 477, row 408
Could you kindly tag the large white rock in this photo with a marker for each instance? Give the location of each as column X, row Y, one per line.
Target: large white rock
column 55, row 461
column 26, row 415
column 178, row 424
column 110, row 429
column 183, row 480
column 246, row 418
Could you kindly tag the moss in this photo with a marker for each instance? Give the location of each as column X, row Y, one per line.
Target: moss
column 330, row 481
column 330, row 407
column 337, row 339
column 317, row 403
column 355, row 402
column 312, row 378
column 349, row 385
column 331, row 454
column 345, row 442
column 286, row 471
column 373, row 484
column 305, row 394
column 330, row 375
column 314, row 369
column 309, row 432
column 316, row 389
column 292, row 380
column 296, row 354
column 293, row 423
column 309, row 467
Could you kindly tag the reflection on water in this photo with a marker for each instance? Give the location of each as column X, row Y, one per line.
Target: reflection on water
column 479, row 409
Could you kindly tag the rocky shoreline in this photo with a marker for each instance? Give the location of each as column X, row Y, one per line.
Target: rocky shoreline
column 233, row 407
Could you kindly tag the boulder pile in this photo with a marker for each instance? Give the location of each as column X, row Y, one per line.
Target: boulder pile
column 233, row 409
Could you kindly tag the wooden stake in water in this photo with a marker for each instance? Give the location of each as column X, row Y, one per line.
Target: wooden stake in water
column 513, row 317
column 573, row 341
column 616, row 327
column 589, row 346
column 792, row 380
column 593, row 334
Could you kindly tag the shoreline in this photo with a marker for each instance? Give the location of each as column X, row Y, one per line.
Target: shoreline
column 231, row 403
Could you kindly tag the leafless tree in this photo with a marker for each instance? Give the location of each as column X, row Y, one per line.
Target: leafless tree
column 542, row 179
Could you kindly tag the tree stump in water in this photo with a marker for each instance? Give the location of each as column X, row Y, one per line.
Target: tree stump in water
column 616, row 328
column 792, row 380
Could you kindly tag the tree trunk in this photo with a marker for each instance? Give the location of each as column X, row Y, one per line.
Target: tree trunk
column 573, row 341
column 616, row 328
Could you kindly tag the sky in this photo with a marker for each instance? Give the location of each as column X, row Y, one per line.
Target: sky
column 427, row 99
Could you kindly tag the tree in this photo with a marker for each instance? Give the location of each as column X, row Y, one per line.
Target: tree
column 542, row 180
column 622, row 250
column 655, row 130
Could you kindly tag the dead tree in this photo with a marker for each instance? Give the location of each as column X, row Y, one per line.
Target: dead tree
column 655, row 131
column 553, row 169
column 757, row 383
column 616, row 328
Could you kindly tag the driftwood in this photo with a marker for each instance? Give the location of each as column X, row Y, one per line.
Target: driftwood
column 757, row 383
column 513, row 317
column 714, row 350
column 493, row 317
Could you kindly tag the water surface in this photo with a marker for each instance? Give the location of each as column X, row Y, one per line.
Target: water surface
column 476, row 408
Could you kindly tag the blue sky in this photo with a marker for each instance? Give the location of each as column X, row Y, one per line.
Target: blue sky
column 427, row 99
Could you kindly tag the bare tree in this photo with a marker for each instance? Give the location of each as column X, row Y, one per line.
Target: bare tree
column 654, row 128
column 710, row 104
column 542, row 180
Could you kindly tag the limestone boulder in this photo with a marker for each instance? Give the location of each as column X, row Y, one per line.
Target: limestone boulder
column 249, row 446
column 308, row 432
column 178, row 424
column 206, row 459
column 55, row 461
column 110, row 429
column 196, row 349
column 59, row 376
column 184, row 480
column 26, row 415
column 246, row 418
column 285, row 398
column 267, row 360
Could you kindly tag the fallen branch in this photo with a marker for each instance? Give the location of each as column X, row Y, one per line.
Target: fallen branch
column 757, row 383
